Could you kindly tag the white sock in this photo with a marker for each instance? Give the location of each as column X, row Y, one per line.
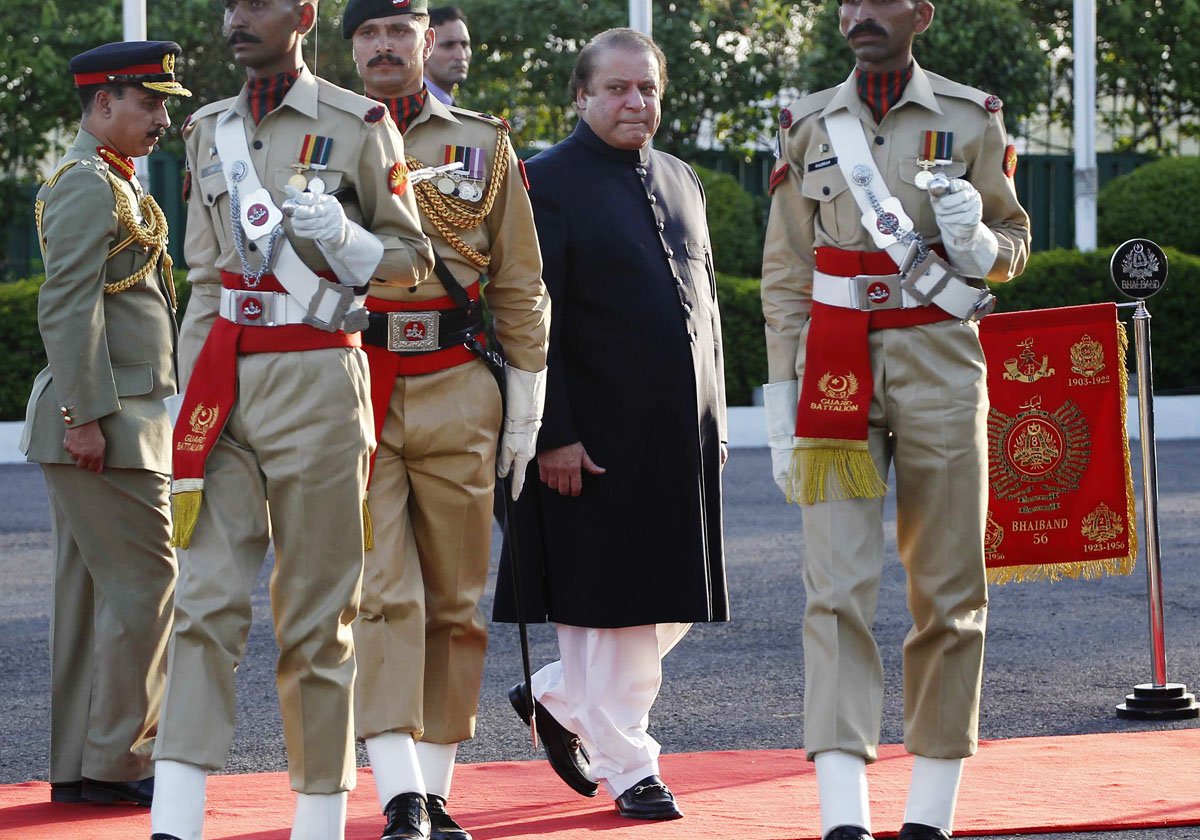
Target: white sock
column 320, row 816
column 933, row 791
column 178, row 805
column 437, row 766
column 842, row 790
column 394, row 764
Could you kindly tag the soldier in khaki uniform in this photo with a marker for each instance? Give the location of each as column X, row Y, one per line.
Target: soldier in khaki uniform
column 98, row 426
column 419, row 637
column 870, row 369
column 298, row 198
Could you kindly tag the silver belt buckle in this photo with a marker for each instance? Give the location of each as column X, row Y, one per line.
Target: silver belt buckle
column 253, row 309
column 412, row 332
column 877, row 291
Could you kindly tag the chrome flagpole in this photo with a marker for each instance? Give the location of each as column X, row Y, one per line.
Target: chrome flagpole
column 1139, row 268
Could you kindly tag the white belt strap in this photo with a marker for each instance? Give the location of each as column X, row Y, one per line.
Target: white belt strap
column 933, row 281
column 325, row 303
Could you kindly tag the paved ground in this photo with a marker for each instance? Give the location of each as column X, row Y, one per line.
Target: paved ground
column 1059, row 656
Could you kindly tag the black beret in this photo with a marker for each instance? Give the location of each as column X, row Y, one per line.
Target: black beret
column 358, row 11
column 148, row 63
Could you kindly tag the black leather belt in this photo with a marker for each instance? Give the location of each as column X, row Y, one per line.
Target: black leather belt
column 423, row 331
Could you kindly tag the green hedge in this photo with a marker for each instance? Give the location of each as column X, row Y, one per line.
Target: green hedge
column 733, row 223
column 23, row 355
column 1052, row 278
column 1157, row 201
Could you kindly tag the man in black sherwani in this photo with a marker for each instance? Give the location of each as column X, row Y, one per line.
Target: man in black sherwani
column 621, row 545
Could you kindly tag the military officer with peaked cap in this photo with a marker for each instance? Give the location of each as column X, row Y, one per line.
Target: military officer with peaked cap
column 299, row 199
column 419, row 637
column 97, row 425
column 893, row 202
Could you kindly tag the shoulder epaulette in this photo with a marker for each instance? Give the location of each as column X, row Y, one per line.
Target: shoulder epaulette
column 805, row 106
column 480, row 116
column 347, row 100
column 946, row 87
column 212, row 108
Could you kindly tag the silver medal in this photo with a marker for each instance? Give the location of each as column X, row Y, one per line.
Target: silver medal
column 316, row 186
column 922, row 178
column 446, row 186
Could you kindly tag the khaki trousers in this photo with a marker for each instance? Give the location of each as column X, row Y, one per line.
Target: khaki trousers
column 291, row 466
column 419, row 638
column 928, row 420
column 114, row 572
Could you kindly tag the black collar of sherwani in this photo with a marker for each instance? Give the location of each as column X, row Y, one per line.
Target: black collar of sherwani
column 405, row 109
column 585, row 135
column 881, row 91
column 918, row 91
column 262, row 96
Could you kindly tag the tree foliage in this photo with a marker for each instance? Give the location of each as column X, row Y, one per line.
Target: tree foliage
column 1146, row 59
column 726, row 60
column 987, row 44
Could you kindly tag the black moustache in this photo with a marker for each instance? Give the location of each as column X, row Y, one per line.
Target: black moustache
column 240, row 37
column 385, row 58
column 867, row 29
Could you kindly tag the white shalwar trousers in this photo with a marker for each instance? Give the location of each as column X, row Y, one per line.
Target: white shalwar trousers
column 602, row 688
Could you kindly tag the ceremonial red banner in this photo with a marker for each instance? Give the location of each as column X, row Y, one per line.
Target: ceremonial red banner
column 1061, row 500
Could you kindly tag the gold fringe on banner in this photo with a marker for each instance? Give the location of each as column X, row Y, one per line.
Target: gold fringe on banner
column 1126, row 567
column 844, row 466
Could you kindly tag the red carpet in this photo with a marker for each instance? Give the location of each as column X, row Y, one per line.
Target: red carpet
column 1026, row 785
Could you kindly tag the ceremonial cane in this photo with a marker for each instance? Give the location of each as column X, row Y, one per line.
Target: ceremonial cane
column 510, row 534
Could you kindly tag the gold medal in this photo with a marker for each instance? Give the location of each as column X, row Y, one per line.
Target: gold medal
column 297, row 181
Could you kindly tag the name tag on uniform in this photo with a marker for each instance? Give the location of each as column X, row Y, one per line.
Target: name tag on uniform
column 822, row 164
column 259, row 214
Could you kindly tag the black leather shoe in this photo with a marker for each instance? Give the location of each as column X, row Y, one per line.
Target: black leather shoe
column 849, row 832
column 66, row 792
column 407, row 818
column 649, row 799
column 920, row 831
column 113, row 793
column 441, row 825
column 161, row 836
column 566, row 754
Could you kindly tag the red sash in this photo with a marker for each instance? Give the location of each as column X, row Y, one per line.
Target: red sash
column 832, row 458
column 212, row 392
column 386, row 365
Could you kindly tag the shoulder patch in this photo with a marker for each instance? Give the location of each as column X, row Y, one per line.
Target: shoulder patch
column 375, row 114
column 1010, row 160
column 778, row 174
column 398, row 178
column 992, row 104
column 785, row 119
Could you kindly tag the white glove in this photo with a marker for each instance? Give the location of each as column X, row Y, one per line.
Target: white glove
column 970, row 244
column 352, row 252
column 780, row 399
column 525, row 397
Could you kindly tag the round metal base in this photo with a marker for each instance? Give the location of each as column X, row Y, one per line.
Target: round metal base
column 1159, row 702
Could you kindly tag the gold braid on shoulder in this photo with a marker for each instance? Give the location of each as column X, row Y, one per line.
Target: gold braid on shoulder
column 448, row 214
column 153, row 235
